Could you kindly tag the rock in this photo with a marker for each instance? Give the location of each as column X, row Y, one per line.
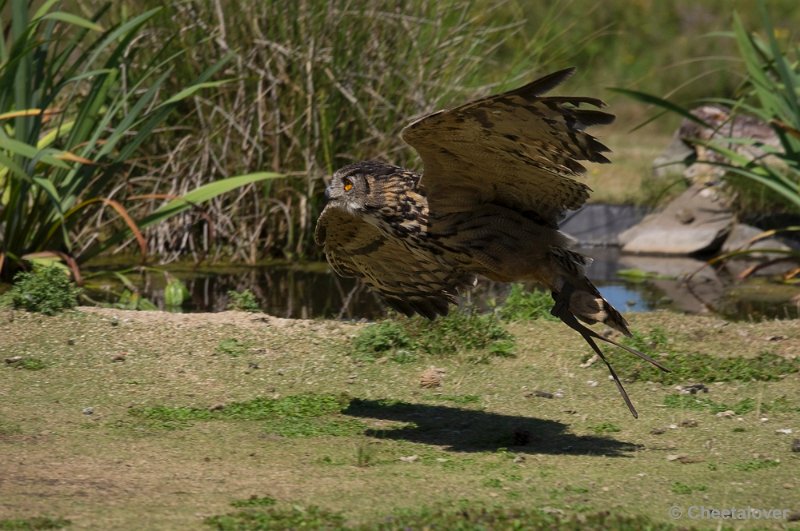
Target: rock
column 796, row 445
column 88, row 411
column 598, row 224
column 431, row 377
column 689, row 423
column 409, row 458
column 14, row 359
column 692, row 389
column 726, row 414
column 697, row 221
column 539, row 394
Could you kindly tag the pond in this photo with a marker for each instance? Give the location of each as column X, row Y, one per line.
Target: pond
column 312, row 290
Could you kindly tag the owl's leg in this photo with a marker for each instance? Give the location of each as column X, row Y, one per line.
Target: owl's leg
column 561, row 310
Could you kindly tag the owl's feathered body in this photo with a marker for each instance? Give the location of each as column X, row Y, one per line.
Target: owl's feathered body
column 499, row 174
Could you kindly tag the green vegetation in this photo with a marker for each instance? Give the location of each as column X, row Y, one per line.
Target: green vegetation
column 243, row 301
column 524, row 305
column 605, row 427
column 201, row 430
column 756, row 464
column 278, row 518
column 405, row 339
column 255, row 501
column 307, row 415
column 36, row 522
column 682, row 488
column 233, row 347
column 769, row 92
column 698, row 367
column 468, row 517
column 45, row 289
column 746, row 405
column 75, row 108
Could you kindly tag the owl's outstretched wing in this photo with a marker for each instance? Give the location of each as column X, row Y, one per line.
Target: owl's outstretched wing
column 408, row 281
column 516, row 149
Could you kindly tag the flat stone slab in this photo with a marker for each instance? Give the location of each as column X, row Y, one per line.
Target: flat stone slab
column 600, row 224
column 697, row 221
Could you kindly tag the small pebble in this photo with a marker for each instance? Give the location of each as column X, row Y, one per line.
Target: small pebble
column 217, row 407
column 726, row 414
column 591, row 383
column 13, row 359
column 543, row 394
column 119, row 357
column 785, row 431
column 519, row 458
column 409, row 458
column 796, row 445
column 657, row 431
column 88, row 410
column 689, row 423
column 70, row 341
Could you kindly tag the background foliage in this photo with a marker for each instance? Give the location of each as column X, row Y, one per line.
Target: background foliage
column 317, row 84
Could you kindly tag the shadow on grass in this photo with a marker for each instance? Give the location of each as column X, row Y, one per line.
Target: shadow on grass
column 468, row 430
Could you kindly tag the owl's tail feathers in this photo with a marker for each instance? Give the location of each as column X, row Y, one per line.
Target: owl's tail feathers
column 586, row 303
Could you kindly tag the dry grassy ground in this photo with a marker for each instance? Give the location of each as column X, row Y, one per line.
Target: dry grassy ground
column 78, row 443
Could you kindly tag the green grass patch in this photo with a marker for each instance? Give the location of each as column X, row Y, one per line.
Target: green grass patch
column 683, row 488
column 36, row 522
column 746, row 405
column 242, row 301
column 278, row 518
column 698, row 367
column 255, row 501
column 459, row 332
column 474, row 517
column 526, row 305
column 233, row 347
column 304, row 415
column 756, row 464
column 605, row 427
column 45, row 289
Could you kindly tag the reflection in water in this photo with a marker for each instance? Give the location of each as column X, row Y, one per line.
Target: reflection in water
column 314, row 291
column 317, row 292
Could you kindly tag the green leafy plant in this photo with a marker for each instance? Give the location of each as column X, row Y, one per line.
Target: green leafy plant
column 525, row 305
column 770, row 93
column 458, row 332
column 45, row 289
column 243, row 301
column 74, row 109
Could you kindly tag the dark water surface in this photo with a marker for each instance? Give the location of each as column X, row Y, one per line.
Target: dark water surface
column 313, row 291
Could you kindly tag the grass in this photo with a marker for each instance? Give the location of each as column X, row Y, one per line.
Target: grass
column 692, row 367
column 524, row 305
column 362, row 441
column 404, row 340
column 244, row 301
column 45, row 289
column 306, row 415
column 33, row 523
column 743, row 406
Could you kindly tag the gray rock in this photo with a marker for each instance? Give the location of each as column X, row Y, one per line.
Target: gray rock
column 697, row 221
column 601, row 224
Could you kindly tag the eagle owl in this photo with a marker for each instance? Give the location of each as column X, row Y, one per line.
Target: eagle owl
column 499, row 174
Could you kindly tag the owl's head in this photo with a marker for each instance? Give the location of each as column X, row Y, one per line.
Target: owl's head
column 361, row 186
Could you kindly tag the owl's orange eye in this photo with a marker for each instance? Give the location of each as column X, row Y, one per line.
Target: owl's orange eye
column 348, row 185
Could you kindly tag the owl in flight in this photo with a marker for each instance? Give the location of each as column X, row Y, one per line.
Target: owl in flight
column 499, row 174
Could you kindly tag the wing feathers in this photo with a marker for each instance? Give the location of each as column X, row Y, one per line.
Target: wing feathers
column 408, row 281
column 517, row 149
